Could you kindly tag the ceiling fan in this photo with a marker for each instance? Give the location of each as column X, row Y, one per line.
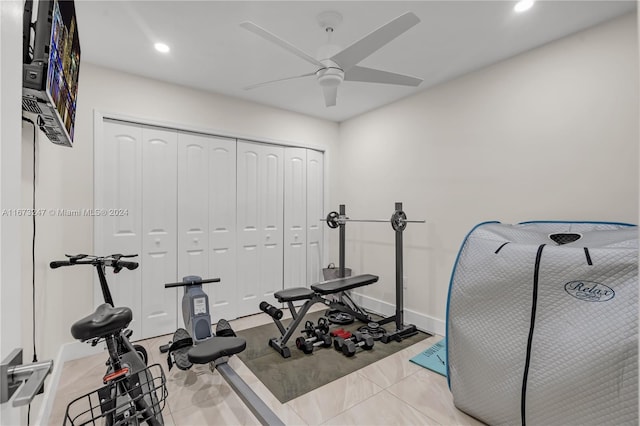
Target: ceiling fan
column 335, row 65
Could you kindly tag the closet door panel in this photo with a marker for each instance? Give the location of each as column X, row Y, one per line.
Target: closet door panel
column 248, row 236
column 295, row 217
column 272, row 221
column 222, row 227
column 118, row 177
column 159, row 252
column 315, row 211
column 260, row 224
column 193, row 206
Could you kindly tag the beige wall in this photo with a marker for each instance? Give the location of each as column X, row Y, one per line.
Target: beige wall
column 549, row 134
column 65, row 180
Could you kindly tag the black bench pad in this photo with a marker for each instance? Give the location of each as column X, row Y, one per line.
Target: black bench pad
column 216, row 347
column 343, row 284
column 292, row 294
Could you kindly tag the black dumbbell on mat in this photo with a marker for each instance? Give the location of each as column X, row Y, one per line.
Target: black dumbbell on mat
column 306, row 345
column 349, row 346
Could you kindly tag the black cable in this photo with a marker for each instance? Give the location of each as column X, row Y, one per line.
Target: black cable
column 33, row 248
column 33, row 242
column 33, row 254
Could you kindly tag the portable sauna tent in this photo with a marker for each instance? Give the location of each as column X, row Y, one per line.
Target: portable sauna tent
column 542, row 324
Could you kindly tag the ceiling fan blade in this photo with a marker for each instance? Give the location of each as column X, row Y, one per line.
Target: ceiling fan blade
column 364, row 47
column 371, row 75
column 264, row 83
column 330, row 95
column 280, row 42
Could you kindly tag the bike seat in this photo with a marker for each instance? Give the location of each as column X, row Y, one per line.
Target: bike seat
column 216, row 347
column 104, row 321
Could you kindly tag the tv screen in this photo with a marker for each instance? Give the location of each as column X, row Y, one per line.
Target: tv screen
column 64, row 63
column 51, row 67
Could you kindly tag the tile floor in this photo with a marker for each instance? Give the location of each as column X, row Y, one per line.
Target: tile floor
column 392, row 391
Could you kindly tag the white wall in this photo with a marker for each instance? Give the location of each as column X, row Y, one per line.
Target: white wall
column 10, row 151
column 65, row 179
column 549, row 134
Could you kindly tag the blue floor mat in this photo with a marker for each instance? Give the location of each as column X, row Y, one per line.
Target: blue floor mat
column 434, row 358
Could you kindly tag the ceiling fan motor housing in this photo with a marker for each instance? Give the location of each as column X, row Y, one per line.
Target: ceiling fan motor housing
column 332, row 75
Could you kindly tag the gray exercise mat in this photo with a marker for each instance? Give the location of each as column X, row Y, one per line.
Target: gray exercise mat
column 288, row 378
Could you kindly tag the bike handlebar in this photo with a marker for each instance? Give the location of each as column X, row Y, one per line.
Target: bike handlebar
column 58, row 263
column 129, row 265
column 112, row 261
column 188, row 283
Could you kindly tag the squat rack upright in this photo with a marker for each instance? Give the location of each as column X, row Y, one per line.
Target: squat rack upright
column 398, row 222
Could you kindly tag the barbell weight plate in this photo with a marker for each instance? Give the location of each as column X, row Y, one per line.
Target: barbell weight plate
column 399, row 220
column 338, row 317
column 332, row 220
column 375, row 332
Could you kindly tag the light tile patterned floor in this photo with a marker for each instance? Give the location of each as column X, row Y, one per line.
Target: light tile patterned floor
column 392, row 391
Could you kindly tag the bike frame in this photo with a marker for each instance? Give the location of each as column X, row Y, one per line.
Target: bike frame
column 122, row 354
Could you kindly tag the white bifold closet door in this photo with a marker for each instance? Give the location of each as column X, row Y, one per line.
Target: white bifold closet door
column 193, row 204
column 315, row 212
column 206, row 218
column 193, row 212
column 158, row 257
column 135, row 175
column 222, row 227
column 260, row 192
column 295, row 217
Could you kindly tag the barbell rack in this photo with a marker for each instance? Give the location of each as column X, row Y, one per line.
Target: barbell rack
column 398, row 222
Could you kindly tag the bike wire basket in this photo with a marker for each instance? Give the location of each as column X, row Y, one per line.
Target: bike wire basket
column 129, row 400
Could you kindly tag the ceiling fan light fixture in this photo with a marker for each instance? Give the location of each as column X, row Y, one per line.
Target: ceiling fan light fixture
column 330, row 77
column 523, row 5
column 161, row 47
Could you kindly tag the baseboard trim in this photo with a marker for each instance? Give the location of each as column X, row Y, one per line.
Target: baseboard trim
column 67, row 352
column 423, row 322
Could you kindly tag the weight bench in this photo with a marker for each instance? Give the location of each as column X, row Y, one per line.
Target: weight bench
column 215, row 351
column 311, row 296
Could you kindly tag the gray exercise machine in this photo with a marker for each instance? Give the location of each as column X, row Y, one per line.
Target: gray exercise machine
column 198, row 345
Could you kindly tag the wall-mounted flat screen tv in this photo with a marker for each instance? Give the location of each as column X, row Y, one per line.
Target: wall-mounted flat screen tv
column 51, row 68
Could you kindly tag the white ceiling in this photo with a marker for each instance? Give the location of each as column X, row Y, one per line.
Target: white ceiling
column 211, row 52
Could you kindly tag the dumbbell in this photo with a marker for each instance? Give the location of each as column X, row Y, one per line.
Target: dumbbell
column 359, row 340
column 341, row 338
column 322, row 327
column 306, row 345
column 341, row 332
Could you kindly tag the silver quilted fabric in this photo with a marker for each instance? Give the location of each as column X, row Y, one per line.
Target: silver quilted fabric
column 545, row 335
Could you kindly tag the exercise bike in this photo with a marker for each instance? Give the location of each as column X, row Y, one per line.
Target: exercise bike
column 133, row 392
column 197, row 344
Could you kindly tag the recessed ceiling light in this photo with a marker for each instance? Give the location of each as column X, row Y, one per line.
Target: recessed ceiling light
column 523, row 5
column 161, row 47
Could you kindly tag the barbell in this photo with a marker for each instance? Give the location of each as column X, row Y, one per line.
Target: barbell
column 398, row 220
